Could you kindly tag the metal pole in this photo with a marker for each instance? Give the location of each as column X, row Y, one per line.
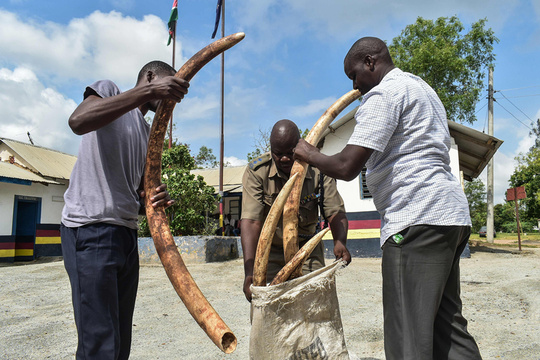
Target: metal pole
column 517, row 218
column 222, row 142
column 173, row 53
column 490, row 220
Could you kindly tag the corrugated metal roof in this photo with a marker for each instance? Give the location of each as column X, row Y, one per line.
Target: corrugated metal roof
column 15, row 172
column 232, row 177
column 475, row 148
column 47, row 162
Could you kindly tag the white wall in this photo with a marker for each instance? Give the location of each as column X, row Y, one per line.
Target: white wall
column 454, row 161
column 349, row 190
column 52, row 202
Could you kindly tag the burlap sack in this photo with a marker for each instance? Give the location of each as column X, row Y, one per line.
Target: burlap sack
column 298, row 319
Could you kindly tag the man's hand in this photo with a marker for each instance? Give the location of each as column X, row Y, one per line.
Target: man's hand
column 161, row 198
column 304, row 150
column 248, row 280
column 341, row 252
column 169, row 87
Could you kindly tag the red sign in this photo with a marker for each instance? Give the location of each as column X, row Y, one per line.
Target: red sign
column 516, row 193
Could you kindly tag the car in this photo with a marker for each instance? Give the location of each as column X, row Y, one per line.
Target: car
column 483, row 232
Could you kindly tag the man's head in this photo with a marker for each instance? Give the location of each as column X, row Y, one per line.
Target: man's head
column 154, row 70
column 366, row 63
column 283, row 140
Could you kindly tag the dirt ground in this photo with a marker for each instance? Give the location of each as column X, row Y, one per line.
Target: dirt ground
column 500, row 290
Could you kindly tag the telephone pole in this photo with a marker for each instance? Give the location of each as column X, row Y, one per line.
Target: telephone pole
column 490, row 222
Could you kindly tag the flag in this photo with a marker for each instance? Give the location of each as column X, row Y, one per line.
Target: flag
column 218, row 14
column 172, row 21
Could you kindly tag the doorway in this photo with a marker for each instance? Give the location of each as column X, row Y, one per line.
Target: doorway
column 26, row 214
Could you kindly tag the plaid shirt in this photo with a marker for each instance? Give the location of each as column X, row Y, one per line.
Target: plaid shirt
column 409, row 174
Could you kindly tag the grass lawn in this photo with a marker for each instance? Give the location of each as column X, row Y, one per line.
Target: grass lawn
column 531, row 239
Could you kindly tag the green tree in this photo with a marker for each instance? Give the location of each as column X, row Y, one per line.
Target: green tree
column 261, row 144
column 476, row 195
column 504, row 214
column 535, row 131
column 452, row 62
column 194, row 198
column 527, row 174
column 205, row 158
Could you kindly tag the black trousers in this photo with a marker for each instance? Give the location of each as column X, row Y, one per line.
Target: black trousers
column 102, row 262
column 421, row 295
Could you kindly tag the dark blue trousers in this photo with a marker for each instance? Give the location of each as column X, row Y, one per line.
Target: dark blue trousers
column 102, row 262
column 421, row 295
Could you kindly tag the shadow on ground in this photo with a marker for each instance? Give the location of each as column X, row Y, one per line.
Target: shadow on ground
column 477, row 246
column 40, row 260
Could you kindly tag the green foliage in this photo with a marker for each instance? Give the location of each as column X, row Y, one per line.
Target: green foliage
column 453, row 63
column 475, row 191
column 254, row 154
column 503, row 214
column 511, row 227
column 527, row 174
column 535, row 131
column 194, row 198
column 205, row 158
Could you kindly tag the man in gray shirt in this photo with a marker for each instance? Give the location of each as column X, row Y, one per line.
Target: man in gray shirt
column 99, row 219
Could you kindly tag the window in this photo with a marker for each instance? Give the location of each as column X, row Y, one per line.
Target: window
column 234, row 208
column 364, row 191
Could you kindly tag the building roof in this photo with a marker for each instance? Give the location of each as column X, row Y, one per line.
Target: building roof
column 475, row 148
column 12, row 171
column 42, row 161
column 232, row 177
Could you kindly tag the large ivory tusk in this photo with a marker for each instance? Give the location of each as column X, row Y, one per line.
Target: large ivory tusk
column 290, row 212
column 267, row 233
column 176, row 270
column 299, row 258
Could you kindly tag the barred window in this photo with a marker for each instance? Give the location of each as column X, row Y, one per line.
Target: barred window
column 364, row 191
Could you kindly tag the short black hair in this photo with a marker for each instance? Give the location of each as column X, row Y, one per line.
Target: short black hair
column 369, row 46
column 158, row 67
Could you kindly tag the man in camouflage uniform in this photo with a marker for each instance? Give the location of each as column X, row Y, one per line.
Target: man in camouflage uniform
column 262, row 182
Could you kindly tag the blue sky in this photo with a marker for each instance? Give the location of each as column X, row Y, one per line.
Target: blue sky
column 290, row 64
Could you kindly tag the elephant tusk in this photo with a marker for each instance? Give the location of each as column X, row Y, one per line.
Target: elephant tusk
column 267, row 233
column 290, row 212
column 299, row 258
column 176, row 270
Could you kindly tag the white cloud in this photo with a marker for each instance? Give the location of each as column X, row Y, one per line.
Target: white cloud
column 198, row 108
column 101, row 45
column 343, row 19
column 26, row 105
column 234, row 161
column 313, row 107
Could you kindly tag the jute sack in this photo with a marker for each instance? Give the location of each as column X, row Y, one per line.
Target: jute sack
column 298, row 319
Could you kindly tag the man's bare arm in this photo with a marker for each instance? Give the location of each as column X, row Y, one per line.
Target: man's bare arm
column 249, row 236
column 95, row 112
column 345, row 165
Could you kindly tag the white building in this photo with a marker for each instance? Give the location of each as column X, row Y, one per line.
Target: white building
column 471, row 151
column 33, row 180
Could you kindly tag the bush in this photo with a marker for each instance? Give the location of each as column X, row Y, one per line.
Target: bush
column 511, row 227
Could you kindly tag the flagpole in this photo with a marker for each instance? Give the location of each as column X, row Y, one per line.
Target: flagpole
column 173, row 53
column 222, row 142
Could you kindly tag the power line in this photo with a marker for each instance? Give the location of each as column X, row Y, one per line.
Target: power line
column 520, row 88
column 483, row 106
column 527, row 126
column 516, row 107
column 520, row 96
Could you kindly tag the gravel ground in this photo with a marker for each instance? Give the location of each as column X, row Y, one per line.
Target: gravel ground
column 500, row 289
